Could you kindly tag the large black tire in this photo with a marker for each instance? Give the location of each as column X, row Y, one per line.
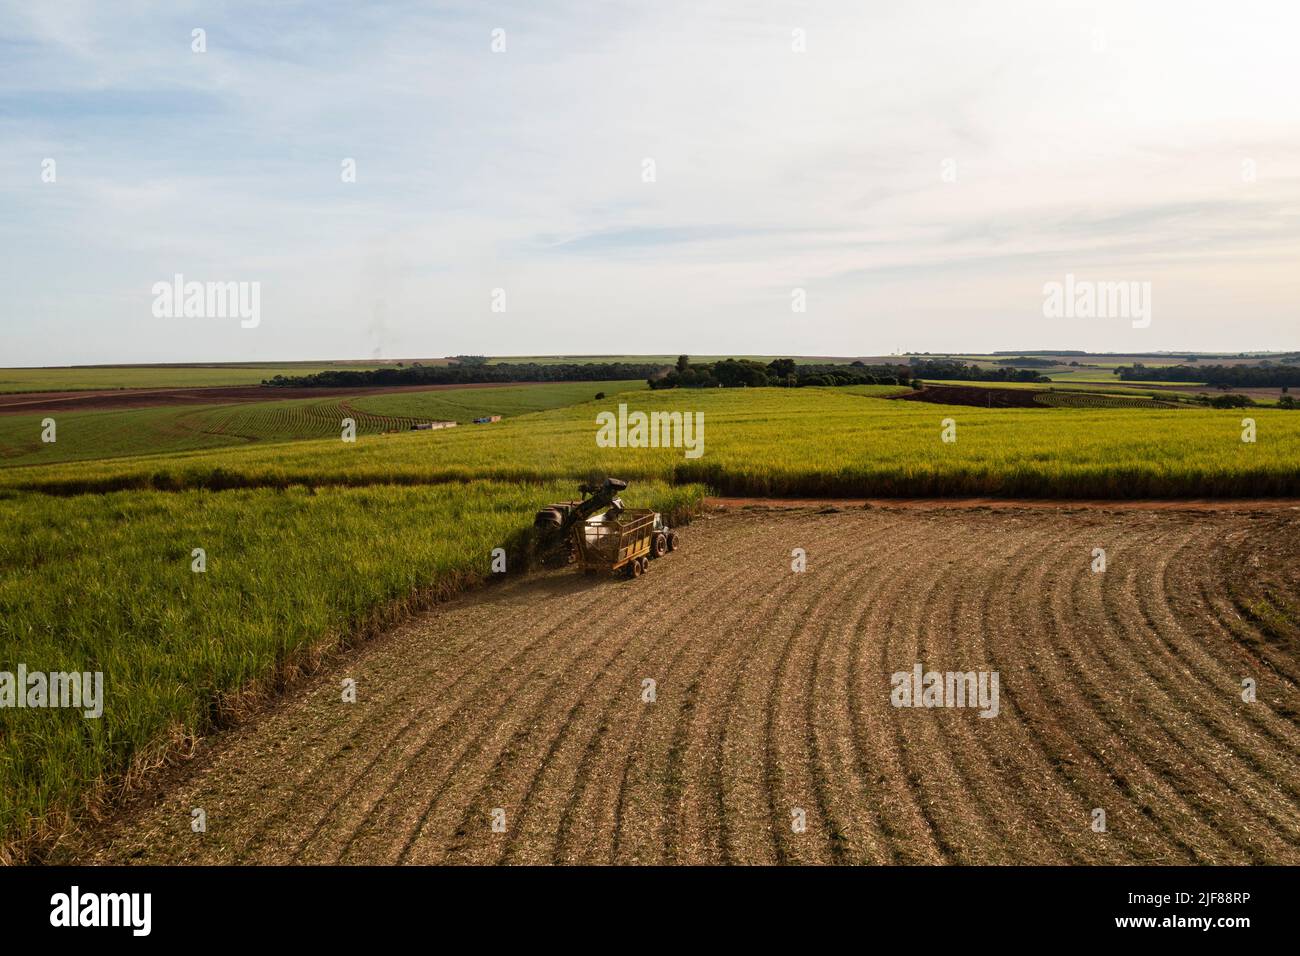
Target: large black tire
column 672, row 540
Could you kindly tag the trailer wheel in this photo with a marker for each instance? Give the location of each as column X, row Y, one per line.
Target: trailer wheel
column 660, row 547
column 634, row 568
column 645, row 565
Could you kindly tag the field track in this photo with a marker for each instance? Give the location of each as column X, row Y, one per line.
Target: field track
column 1118, row 691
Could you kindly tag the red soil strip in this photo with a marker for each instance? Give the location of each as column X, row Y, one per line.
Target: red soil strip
column 1003, row 504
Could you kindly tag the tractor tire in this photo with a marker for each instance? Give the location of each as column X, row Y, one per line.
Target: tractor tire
column 672, row 540
column 660, row 546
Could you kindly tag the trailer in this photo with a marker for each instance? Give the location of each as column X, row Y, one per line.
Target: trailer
column 608, row 545
column 601, row 535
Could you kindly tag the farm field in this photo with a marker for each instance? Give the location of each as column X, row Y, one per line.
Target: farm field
column 87, row 435
column 810, row 442
column 1113, row 387
column 1118, row 690
column 1071, row 399
column 106, row 583
column 1096, row 377
column 72, row 378
column 311, row 543
column 462, row 405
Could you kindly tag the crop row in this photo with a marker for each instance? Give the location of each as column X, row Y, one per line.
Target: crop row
column 109, row 584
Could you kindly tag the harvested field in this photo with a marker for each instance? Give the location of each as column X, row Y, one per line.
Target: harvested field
column 1118, row 690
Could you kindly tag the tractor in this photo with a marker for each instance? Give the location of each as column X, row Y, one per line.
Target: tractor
column 602, row 535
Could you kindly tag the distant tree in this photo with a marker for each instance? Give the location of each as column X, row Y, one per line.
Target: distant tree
column 781, row 368
column 683, row 363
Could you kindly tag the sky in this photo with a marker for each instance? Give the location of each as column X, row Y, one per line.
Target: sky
column 615, row 177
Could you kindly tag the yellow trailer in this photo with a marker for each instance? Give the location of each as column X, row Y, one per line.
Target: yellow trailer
column 608, row 545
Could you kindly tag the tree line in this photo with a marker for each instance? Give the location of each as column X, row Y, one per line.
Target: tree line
column 778, row 373
column 1228, row 376
column 962, row 372
column 466, row 373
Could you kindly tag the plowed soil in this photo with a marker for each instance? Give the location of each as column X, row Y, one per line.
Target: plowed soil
column 1119, row 691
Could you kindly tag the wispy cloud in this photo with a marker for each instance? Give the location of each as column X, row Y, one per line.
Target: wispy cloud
column 920, row 172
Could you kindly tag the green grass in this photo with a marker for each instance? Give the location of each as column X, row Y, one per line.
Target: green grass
column 467, row 404
column 777, row 441
column 1095, row 377
column 89, row 435
column 1112, row 386
column 105, row 584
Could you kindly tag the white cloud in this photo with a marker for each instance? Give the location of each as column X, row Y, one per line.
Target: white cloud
column 1107, row 140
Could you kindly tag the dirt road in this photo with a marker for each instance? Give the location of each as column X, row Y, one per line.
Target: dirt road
column 1119, row 691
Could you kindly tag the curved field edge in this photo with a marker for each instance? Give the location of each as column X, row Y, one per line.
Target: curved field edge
column 106, row 583
column 810, row 442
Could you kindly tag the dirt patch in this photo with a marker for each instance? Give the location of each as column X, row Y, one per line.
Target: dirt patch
column 525, row 705
column 116, row 399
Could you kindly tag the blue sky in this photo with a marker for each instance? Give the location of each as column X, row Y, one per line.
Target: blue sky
column 1159, row 144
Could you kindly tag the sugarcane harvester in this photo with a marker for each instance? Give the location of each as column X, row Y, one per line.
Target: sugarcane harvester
column 602, row 535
